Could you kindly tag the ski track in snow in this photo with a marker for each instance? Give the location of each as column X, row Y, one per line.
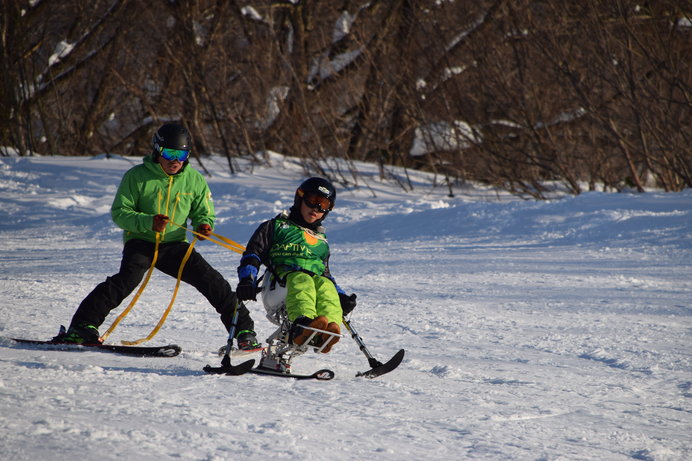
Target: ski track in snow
column 556, row 330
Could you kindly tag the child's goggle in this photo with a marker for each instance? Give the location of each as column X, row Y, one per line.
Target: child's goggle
column 318, row 202
column 174, row 154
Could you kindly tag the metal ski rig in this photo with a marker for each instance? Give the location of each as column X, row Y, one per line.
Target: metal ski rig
column 280, row 352
column 277, row 357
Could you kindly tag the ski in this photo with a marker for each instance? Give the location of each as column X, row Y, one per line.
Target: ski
column 170, row 350
column 378, row 368
column 227, row 369
column 320, row 375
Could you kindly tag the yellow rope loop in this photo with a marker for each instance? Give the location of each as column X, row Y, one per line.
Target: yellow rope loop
column 237, row 247
column 222, row 241
column 138, row 294
column 170, row 305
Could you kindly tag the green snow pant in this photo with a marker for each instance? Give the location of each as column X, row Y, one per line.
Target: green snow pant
column 311, row 296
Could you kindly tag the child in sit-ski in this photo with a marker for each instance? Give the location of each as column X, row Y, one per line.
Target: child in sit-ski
column 294, row 248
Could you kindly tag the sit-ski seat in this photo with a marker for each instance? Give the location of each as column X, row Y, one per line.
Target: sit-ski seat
column 280, row 351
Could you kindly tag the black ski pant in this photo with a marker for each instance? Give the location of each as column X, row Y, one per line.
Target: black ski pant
column 137, row 257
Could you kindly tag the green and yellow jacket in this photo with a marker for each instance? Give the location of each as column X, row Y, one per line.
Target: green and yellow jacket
column 284, row 246
column 146, row 190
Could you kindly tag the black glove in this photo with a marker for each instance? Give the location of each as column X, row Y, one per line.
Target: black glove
column 348, row 302
column 246, row 290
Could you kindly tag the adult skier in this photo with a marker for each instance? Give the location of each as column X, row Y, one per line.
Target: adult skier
column 164, row 189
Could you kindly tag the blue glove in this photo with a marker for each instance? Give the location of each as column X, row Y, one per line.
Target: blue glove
column 247, row 271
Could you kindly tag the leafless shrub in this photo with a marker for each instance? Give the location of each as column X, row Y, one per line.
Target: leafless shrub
column 525, row 95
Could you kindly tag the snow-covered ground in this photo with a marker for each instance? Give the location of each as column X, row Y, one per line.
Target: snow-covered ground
column 556, row 330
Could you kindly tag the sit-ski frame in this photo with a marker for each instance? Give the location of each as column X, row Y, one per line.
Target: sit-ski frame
column 279, row 353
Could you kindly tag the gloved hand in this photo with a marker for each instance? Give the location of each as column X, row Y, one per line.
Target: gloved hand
column 246, row 289
column 160, row 221
column 205, row 230
column 348, row 302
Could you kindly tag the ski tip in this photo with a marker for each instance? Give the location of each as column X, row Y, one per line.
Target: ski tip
column 242, row 368
column 399, row 356
column 235, row 352
column 170, row 350
column 380, row 370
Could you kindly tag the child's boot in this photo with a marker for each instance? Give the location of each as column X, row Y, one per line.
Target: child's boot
column 300, row 334
column 333, row 327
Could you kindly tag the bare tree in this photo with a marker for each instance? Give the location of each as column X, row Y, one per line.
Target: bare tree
column 528, row 95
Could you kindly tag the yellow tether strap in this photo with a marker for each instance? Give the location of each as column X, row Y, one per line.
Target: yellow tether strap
column 170, row 305
column 139, row 292
column 223, row 241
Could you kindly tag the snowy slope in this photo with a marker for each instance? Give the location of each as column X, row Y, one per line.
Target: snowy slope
column 555, row 330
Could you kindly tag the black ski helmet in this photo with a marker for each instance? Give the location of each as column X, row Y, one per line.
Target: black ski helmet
column 173, row 136
column 318, row 186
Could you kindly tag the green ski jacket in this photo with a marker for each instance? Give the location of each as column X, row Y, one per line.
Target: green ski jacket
column 296, row 247
column 146, row 190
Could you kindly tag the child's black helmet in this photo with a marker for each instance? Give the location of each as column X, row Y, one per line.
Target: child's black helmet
column 317, row 186
column 171, row 135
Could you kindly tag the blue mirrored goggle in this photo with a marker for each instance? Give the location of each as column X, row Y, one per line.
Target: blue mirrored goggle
column 174, row 154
